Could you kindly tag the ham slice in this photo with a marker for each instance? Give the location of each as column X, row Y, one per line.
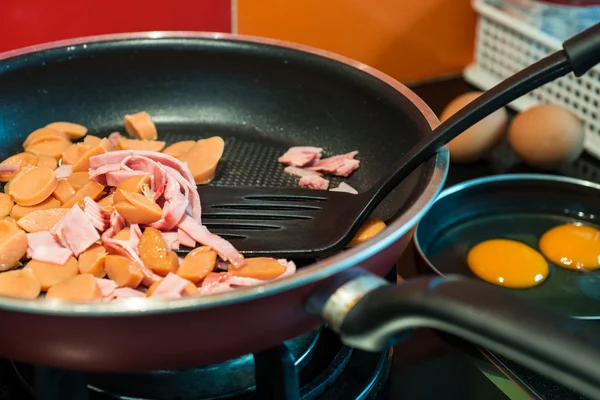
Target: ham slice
column 300, row 156
column 170, row 287
column 290, row 268
column 341, row 165
column 107, row 288
column 63, row 171
column 184, row 239
column 42, row 246
column 171, row 240
column 201, row 235
column 75, row 231
column 113, row 138
column 127, row 293
column 97, row 215
column 301, row 172
column 113, row 178
column 6, row 169
column 314, row 182
column 344, row 187
column 174, row 206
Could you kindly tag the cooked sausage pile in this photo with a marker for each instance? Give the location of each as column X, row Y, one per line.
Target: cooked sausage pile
column 97, row 219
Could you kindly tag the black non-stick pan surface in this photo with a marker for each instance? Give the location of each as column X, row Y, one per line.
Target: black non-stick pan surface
column 260, row 99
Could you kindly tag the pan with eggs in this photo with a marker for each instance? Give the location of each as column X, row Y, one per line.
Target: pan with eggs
column 535, row 234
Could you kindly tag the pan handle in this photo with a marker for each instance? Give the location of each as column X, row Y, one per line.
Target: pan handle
column 370, row 314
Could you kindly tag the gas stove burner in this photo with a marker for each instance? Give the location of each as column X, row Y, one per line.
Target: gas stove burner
column 312, row 366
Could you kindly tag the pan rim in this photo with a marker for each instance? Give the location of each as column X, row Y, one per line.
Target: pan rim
column 307, row 275
column 459, row 187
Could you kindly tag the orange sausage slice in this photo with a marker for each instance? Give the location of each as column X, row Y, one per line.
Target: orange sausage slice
column 53, row 147
column 42, row 135
column 74, row 152
column 32, row 186
column 123, row 234
column 20, row 284
column 92, row 260
column 42, row 220
column 47, row 161
column 83, row 164
column 140, row 126
column 132, row 184
column 64, row 190
column 108, row 203
column 263, row 268
column 19, row 212
column 370, row 228
column 203, row 157
column 179, row 148
column 78, row 179
column 49, row 274
column 197, row 264
column 73, row 131
column 91, row 140
column 79, row 288
column 13, row 244
column 6, row 204
column 155, row 254
column 135, row 144
column 91, row 189
column 20, row 159
column 138, row 209
column 122, row 270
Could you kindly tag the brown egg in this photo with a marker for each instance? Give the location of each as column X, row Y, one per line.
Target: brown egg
column 477, row 141
column 546, row 136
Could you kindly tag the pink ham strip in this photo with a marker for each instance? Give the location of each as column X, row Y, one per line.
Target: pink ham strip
column 344, row 187
column 185, row 239
column 174, row 207
column 97, row 215
column 42, row 246
column 341, row 165
column 113, row 138
column 6, row 169
column 171, row 239
column 299, row 156
column 76, row 231
column 314, row 182
column 190, row 192
column 201, row 235
column 107, row 287
column 103, row 169
column 158, row 173
column 114, row 178
column 127, row 293
column 170, row 287
column 301, row 172
column 63, row 171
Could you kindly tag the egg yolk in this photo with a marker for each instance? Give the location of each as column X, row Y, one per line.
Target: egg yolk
column 508, row 263
column 572, row 246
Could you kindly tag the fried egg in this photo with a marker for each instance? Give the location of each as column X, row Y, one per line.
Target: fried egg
column 508, row 263
column 572, row 246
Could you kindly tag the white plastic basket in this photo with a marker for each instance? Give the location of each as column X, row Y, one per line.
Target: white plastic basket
column 506, row 45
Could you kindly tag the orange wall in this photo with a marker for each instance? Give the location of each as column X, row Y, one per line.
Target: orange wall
column 408, row 39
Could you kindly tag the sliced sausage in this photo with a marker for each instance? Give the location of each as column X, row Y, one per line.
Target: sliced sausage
column 132, row 184
column 20, row 159
column 64, row 190
column 73, row 153
column 49, row 274
column 370, row 228
column 108, row 203
column 33, row 186
column 73, row 131
column 203, row 157
column 263, row 268
column 78, row 179
column 47, row 161
column 53, row 147
column 42, row 220
column 138, row 209
column 83, row 164
column 92, row 260
column 91, row 189
column 19, row 212
column 79, row 289
column 197, row 264
column 42, row 135
column 140, row 126
column 91, row 140
column 122, row 270
column 20, row 284
column 13, row 244
column 179, row 148
column 155, row 254
column 6, row 204
column 135, row 144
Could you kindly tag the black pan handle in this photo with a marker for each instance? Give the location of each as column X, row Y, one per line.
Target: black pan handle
column 370, row 314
